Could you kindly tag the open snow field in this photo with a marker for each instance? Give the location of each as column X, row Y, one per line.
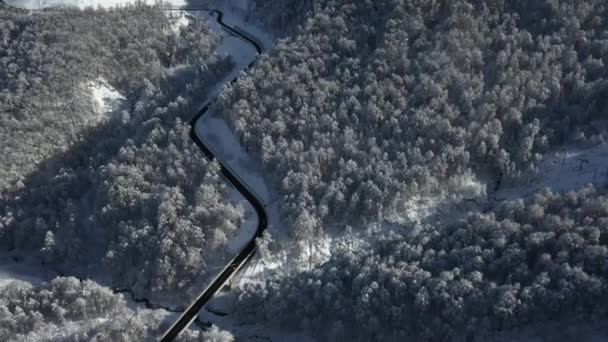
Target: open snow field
column 568, row 169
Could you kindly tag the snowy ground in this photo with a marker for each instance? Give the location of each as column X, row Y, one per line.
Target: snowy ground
column 241, row 52
column 213, row 129
column 23, row 269
column 568, row 169
column 108, row 100
column 246, row 332
column 556, row 331
column 224, row 143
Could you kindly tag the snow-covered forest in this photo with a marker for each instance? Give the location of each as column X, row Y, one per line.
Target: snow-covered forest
column 371, row 103
column 109, row 187
column 400, row 149
column 523, row 262
column 365, row 105
column 67, row 309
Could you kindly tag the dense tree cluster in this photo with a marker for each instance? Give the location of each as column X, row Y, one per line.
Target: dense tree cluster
column 372, row 102
column 47, row 61
column 131, row 190
column 282, row 16
column 162, row 206
column 66, row 309
column 23, row 307
column 523, row 262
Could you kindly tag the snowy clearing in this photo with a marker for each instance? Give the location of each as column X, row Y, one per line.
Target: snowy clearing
column 224, row 303
column 568, row 169
column 107, row 99
column 247, row 228
column 29, row 270
column 565, row 170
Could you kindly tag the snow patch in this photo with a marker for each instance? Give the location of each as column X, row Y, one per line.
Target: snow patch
column 465, row 186
column 178, row 21
column 28, row 269
column 414, row 210
column 568, row 169
column 106, row 99
column 214, row 129
column 448, row 205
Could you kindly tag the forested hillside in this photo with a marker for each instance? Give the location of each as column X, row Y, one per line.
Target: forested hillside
column 362, row 108
column 48, row 61
column 524, row 262
column 372, row 102
column 365, row 105
column 129, row 191
column 67, row 309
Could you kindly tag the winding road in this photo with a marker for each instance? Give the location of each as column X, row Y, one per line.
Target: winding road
column 247, row 252
column 190, row 314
